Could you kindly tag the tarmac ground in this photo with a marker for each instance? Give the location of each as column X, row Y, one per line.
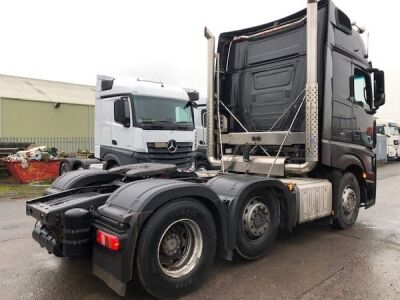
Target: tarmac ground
column 313, row 261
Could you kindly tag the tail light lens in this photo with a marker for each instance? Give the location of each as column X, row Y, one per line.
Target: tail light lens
column 107, row 240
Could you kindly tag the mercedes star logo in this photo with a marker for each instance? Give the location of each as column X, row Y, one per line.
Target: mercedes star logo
column 172, row 146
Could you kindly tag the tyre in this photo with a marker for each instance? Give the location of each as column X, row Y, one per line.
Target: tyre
column 348, row 201
column 65, row 168
column 258, row 224
column 176, row 248
column 111, row 164
column 203, row 166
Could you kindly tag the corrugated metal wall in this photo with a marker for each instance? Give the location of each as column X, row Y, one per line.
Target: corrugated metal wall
column 22, row 118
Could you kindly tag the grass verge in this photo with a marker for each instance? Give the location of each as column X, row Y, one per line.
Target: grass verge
column 10, row 189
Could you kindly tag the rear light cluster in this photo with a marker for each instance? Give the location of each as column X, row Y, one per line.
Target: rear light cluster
column 107, row 240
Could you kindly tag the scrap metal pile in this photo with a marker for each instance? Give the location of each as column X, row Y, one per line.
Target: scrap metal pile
column 41, row 153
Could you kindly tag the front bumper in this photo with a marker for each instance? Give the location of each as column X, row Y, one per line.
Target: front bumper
column 393, row 153
column 370, row 188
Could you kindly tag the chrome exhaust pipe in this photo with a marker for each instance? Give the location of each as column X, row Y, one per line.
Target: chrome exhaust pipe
column 211, row 98
column 299, row 169
column 311, row 143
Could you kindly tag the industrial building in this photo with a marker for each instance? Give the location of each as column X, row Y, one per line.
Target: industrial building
column 46, row 112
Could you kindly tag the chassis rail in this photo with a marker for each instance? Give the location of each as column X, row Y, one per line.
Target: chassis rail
column 47, row 209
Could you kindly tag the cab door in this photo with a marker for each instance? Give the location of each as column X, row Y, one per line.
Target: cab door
column 363, row 132
column 121, row 132
column 103, row 120
column 362, row 98
column 200, row 116
column 342, row 103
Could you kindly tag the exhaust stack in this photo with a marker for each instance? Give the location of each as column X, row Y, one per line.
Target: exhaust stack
column 311, row 94
column 211, row 99
column 312, row 83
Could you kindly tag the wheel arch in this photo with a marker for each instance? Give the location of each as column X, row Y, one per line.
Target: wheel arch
column 139, row 200
column 77, row 179
column 134, row 204
column 200, row 155
column 236, row 188
column 351, row 163
column 74, row 163
column 111, row 157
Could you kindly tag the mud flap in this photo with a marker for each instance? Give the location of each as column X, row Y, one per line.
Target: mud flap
column 113, row 283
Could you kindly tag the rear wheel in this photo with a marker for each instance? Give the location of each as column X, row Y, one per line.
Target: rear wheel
column 348, row 201
column 258, row 224
column 65, row 168
column 176, row 249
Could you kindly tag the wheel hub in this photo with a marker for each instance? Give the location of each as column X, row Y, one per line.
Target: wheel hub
column 256, row 218
column 180, row 248
column 171, row 244
column 349, row 200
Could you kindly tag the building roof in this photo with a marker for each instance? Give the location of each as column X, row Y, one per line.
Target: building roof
column 44, row 90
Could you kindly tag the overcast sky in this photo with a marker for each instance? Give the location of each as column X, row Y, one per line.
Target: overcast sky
column 72, row 41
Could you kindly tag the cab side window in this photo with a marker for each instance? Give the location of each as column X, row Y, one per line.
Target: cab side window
column 362, row 89
column 122, row 112
column 380, row 129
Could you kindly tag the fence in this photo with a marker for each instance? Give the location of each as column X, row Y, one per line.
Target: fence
column 63, row 144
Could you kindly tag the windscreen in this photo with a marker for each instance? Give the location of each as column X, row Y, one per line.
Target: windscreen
column 394, row 130
column 162, row 113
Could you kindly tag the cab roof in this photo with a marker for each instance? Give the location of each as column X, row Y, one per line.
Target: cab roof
column 137, row 86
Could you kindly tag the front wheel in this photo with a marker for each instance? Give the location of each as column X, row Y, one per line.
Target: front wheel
column 176, row 249
column 203, row 166
column 348, row 201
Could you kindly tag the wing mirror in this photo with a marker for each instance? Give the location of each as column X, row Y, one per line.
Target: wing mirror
column 193, row 94
column 379, row 88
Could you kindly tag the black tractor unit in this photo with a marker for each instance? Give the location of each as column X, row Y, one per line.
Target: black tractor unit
column 290, row 125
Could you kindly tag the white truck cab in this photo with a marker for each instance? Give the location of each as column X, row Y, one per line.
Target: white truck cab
column 140, row 121
column 391, row 130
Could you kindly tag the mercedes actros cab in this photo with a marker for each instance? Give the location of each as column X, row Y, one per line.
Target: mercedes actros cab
column 138, row 121
column 290, row 124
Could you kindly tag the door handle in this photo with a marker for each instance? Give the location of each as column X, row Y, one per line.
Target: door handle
column 114, row 142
